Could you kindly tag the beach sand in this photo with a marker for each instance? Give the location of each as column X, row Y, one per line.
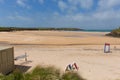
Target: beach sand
column 60, row 48
column 57, row 38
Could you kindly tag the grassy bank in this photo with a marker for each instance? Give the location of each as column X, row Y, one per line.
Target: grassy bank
column 114, row 33
column 42, row 73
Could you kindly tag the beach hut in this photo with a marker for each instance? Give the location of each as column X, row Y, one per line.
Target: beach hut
column 6, row 60
column 106, row 48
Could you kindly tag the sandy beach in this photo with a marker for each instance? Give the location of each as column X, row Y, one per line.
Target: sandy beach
column 60, row 48
column 57, row 38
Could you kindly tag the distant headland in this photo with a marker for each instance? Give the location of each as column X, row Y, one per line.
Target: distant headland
column 9, row 29
column 114, row 33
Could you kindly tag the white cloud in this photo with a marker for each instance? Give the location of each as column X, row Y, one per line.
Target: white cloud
column 108, row 4
column 22, row 3
column 56, row 13
column 95, row 20
column 104, row 11
column 62, row 5
column 41, row 1
column 96, row 16
column 70, row 6
column 86, row 4
column 19, row 17
column 102, row 17
column 106, row 15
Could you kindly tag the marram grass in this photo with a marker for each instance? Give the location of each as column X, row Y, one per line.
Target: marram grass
column 71, row 76
column 42, row 73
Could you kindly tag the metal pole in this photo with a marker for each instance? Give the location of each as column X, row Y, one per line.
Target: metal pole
column 104, row 48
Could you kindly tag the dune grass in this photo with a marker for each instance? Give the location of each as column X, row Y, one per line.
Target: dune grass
column 42, row 73
column 114, row 33
column 71, row 76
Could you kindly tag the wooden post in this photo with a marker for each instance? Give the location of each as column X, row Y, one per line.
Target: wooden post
column 25, row 56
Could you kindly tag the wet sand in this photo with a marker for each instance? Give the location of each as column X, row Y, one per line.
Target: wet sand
column 57, row 38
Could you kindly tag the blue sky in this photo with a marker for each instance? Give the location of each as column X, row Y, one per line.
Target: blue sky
column 85, row 14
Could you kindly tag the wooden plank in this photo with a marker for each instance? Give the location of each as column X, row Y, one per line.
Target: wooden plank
column 6, row 60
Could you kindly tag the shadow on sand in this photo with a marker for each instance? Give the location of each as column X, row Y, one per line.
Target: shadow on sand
column 22, row 67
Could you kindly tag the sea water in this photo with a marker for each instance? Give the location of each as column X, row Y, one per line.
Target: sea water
column 98, row 30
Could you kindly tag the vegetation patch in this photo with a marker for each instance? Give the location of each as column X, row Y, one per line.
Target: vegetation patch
column 42, row 73
column 114, row 33
column 9, row 29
